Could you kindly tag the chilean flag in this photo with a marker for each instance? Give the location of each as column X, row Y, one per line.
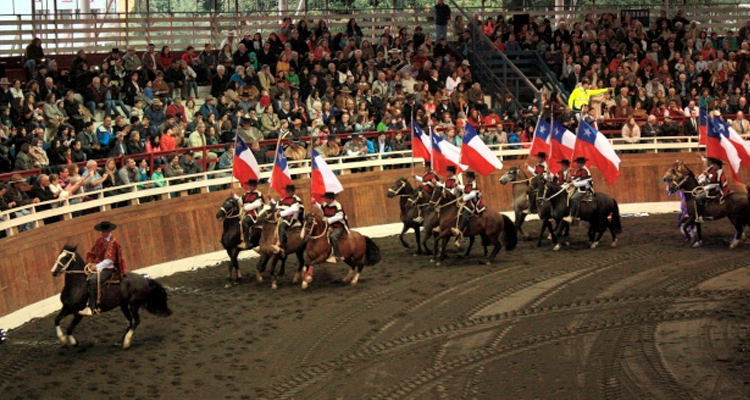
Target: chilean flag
column 719, row 146
column 476, row 154
column 743, row 150
column 323, row 179
column 421, row 144
column 593, row 145
column 444, row 154
column 245, row 166
column 562, row 144
column 280, row 176
column 541, row 142
column 702, row 125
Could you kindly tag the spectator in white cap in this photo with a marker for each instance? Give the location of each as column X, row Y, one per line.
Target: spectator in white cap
column 230, row 40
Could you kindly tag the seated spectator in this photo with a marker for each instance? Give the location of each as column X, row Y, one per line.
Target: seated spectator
column 631, row 132
column 157, row 178
column 15, row 196
column 173, row 168
column 38, row 155
column 296, row 150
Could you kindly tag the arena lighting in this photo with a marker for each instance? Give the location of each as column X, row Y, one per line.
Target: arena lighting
column 2, row 336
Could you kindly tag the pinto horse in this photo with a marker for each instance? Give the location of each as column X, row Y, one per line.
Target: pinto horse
column 521, row 185
column 357, row 250
column 490, row 225
column 269, row 236
column 735, row 206
column 407, row 203
column 229, row 213
column 130, row 294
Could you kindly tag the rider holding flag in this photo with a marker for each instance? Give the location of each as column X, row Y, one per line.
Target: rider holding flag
column 336, row 219
column 451, row 181
column 428, row 180
column 251, row 202
column 714, row 185
column 583, row 182
column 290, row 209
column 472, row 203
column 542, row 169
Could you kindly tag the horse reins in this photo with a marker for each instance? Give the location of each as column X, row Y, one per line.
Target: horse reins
column 398, row 191
column 227, row 215
column 67, row 264
column 544, row 195
column 312, row 226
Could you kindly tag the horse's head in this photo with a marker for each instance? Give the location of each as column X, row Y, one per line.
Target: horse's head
column 313, row 225
column 537, row 182
column 511, row 175
column 67, row 258
column 441, row 195
column 676, row 176
column 401, row 186
column 229, row 209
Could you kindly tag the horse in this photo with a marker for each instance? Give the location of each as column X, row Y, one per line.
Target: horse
column 735, row 206
column 490, row 225
column 552, row 206
column 596, row 210
column 407, row 199
column 269, row 236
column 132, row 292
column 521, row 185
column 357, row 250
column 229, row 213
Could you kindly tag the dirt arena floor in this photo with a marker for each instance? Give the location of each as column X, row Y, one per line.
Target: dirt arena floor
column 651, row 318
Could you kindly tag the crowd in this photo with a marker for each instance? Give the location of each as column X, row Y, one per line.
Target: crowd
column 313, row 86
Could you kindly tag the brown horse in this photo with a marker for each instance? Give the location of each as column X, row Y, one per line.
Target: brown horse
column 357, row 250
column 735, row 206
column 270, row 236
column 409, row 200
column 490, row 225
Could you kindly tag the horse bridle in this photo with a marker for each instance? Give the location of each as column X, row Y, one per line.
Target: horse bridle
column 227, row 215
column 544, row 193
column 65, row 266
column 685, row 177
column 439, row 207
column 312, row 226
column 397, row 192
column 521, row 181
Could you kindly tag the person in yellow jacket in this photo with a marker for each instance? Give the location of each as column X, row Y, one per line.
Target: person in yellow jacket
column 582, row 94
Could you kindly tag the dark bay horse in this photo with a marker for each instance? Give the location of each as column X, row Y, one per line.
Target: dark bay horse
column 489, row 225
column 552, row 207
column 408, row 206
column 357, row 250
column 269, row 236
column 596, row 211
column 735, row 206
column 133, row 292
column 229, row 213
column 521, row 185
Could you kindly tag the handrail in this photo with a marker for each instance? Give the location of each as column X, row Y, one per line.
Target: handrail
column 551, row 76
column 215, row 180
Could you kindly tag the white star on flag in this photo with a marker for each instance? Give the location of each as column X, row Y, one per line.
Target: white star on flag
column 721, row 127
column 542, row 129
column 589, row 132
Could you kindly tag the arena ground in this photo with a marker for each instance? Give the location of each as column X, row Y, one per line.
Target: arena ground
column 651, row 318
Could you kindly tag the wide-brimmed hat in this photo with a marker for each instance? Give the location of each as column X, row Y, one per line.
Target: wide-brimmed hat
column 345, row 89
column 471, row 174
column 581, row 159
column 16, row 178
column 451, row 168
column 290, row 188
column 564, row 162
column 252, row 182
column 541, row 154
column 157, row 102
column 394, row 50
column 466, row 63
column 105, row 226
column 4, row 81
column 715, row 161
column 329, row 195
column 209, row 98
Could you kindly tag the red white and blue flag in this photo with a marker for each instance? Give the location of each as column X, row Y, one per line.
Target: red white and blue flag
column 444, row 154
column 702, row 125
column 719, row 146
column 562, row 144
column 542, row 135
column 476, row 154
column 280, row 176
column 421, row 144
column 593, row 145
column 323, row 178
column 245, row 166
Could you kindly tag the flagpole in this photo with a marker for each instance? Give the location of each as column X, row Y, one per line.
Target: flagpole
column 413, row 131
column 236, row 137
column 275, row 154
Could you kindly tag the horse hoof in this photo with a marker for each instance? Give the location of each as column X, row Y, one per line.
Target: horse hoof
column 273, row 286
column 557, row 247
column 549, row 237
column 63, row 340
column 296, row 278
column 227, row 286
column 432, row 260
column 437, row 264
column 487, row 263
column 355, row 280
column 128, row 340
column 697, row 244
column 259, row 278
column 593, row 245
column 614, row 243
column 566, row 244
column 304, row 285
column 734, row 244
column 72, row 341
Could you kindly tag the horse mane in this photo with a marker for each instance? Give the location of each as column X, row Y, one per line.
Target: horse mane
column 689, row 171
column 70, row 247
column 521, row 171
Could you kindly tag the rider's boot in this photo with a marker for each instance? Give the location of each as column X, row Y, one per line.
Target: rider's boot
column 243, row 241
column 418, row 219
column 335, row 257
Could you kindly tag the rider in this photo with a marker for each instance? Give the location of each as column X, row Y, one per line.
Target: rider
column 542, row 169
column 583, row 182
column 472, row 203
column 251, row 202
column 714, row 184
column 290, row 209
column 428, row 180
column 451, row 181
column 563, row 176
column 106, row 257
column 336, row 218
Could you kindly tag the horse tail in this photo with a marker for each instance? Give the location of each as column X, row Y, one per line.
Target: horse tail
column 616, row 226
column 372, row 252
column 156, row 302
column 510, row 235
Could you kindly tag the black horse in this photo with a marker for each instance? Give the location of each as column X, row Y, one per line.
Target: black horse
column 230, row 238
column 596, row 211
column 409, row 200
column 552, row 206
column 130, row 294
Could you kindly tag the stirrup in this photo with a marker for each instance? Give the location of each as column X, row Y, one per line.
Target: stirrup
column 418, row 220
column 456, row 232
column 568, row 219
column 332, row 260
column 276, row 248
column 526, row 211
column 699, row 220
column 242, row 246
column 88, row 312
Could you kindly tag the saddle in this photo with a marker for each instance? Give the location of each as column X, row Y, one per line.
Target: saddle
column 588, row 197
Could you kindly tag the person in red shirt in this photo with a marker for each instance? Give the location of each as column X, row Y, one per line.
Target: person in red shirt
column 715, row 185
column 177, row 108
column 168, row 141
column 106, row 258
column 492, row 119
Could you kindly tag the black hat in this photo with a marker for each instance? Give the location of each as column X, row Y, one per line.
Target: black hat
column 715, row 161
column 116, row 50
column 329, row 195
column 105, row 226
column 471, row 174
column 564, row 162
column 295, row 140
column 290, row 188
column 427, row 163
column 541, row 154
column 581, row 160
column 252, row 182
column 451, row 168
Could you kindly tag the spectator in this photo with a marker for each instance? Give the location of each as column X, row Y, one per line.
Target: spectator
column 15, row 196
column 23, row 159
column 295, row 151
column 631, row 132
column 118, row 147
column 173, row 168
column 128, row 174
column 157, row 178
column 34, row 55
column 442, row 15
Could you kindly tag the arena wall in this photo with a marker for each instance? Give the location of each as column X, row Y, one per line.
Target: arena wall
column 174, row 229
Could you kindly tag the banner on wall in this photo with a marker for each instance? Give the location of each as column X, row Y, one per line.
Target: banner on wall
column 641, row 15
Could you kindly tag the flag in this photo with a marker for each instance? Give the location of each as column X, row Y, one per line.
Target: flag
column 702, row 125
column 562, row 144
column 476, row 154
column 593, row 145
column 421, row 145
column 743, row 150
column 280, row 176
column 245, row 166
column 323, row 178
column 444, row 154
column 541, row 142
column 719, row 146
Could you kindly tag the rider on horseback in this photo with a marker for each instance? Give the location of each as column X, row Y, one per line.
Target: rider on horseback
column 106, row 257
column 336, row 219
column 471, row 203
column 563, row 176
column 428, row 180
column 583, row 182
column 251, row 202
column 451, row 181
column 542, row 169
column 714, row 184
column 290, row 209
